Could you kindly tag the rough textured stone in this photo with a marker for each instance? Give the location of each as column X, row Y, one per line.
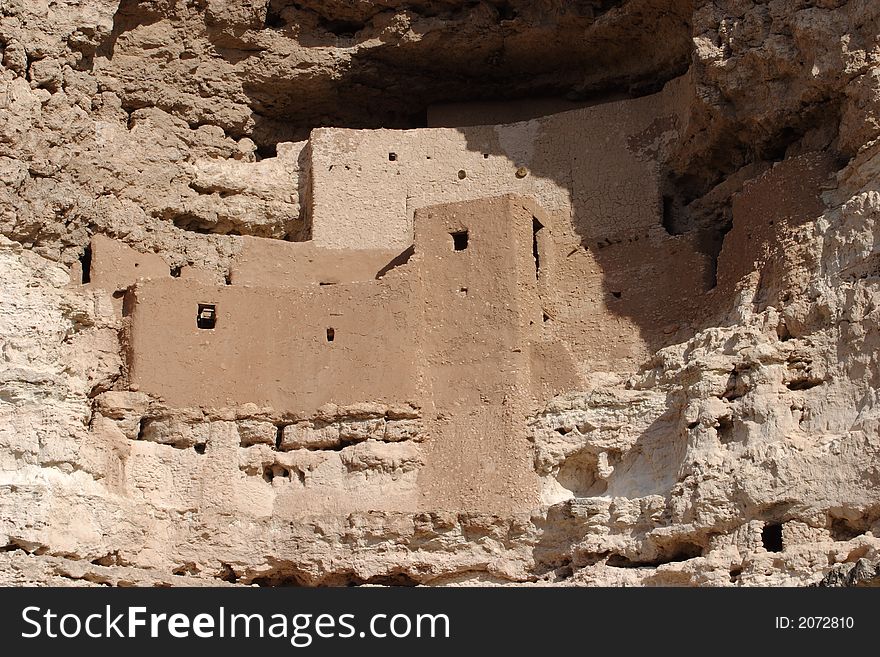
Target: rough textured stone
column 732, row 444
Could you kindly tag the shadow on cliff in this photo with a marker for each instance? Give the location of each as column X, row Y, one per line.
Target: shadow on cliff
column 660, row 280
column 454, row 52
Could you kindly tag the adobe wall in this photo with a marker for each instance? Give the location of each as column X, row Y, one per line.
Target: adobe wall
column 483, row 317
column 269, row 344
column 764, row 251
column 276, row 263
column 271, row 347
column 597, row 165
column 622, row 287
column 114, row 265
column 454, row 332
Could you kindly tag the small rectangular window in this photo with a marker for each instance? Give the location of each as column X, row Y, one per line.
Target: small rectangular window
column 459, row 240
column 331, row 334
column 206, row 317
column 85, row 261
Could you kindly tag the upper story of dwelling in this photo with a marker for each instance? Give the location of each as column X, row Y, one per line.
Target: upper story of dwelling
column 615, row 283
column 598, row 167
column 612, row 284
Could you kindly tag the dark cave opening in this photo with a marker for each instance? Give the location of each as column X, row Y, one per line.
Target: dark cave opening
column 771, row 537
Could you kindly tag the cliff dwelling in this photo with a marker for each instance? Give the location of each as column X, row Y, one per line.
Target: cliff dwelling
column 462, row 275
column 454, row 280
column 342, row 293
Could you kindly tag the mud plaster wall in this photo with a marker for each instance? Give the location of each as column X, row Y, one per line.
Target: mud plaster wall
column 764, row 250
column 292, row 349
column 276, row 263
column 623, row 288
column 598, row 166
column 296, row 348
column 454, row 332
column 484, row 316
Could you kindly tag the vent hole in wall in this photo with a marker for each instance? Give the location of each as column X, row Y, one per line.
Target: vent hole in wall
column 392, row 157
column 331, row 334
column 206, row 316
column 459, row 240
column 771, row 537
column 272, row 472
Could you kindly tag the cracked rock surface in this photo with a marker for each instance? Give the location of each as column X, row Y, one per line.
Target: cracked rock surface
column 748, row 454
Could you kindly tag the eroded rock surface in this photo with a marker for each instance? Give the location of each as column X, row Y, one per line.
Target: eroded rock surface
column 694, row 402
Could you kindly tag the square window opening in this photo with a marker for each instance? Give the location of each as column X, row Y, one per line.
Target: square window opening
column 206, row 317
column 459, row 240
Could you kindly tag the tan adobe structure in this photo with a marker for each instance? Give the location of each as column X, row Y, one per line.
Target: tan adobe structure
column 456, row 331
column 470, row 292
column 456, row 279
column 597, row 172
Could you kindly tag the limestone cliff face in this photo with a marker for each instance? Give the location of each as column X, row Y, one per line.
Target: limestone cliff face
column 737, row 445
